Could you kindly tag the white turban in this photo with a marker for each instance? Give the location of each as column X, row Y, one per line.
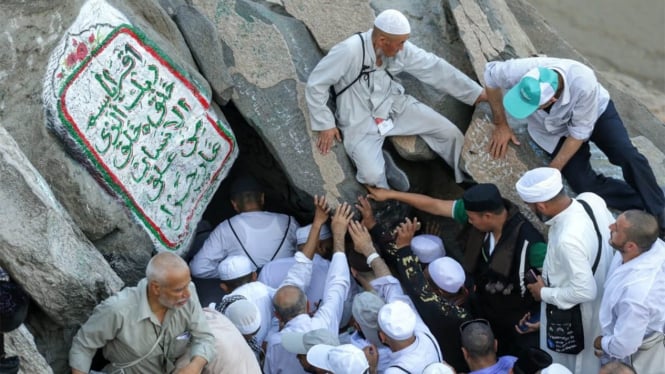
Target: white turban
column 539, row 185
column 392, row 22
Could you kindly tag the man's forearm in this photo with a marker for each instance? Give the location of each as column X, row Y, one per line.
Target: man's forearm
column 568, row 149
column 495, row 99
column 198, row 363
column 309, row 248
column 425, row 203
column 338, row 242
column 379, row 268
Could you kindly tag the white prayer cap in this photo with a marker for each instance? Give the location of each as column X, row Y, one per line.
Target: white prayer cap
column 438, row 368
column 245, row 316
column 342, row 359
column 234, row 267
column 392, row 22
column 427, row 247
column 447, row 274
column 539, row 184
column 397, row 320
column 303, row 232
column 301, row 342
column 556, row 369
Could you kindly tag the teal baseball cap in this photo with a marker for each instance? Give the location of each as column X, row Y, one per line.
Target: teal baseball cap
column 535, row 88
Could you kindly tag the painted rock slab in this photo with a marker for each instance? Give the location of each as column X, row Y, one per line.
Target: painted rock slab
column 141, row 124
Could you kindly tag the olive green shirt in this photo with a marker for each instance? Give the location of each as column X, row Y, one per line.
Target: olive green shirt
column 126, row 328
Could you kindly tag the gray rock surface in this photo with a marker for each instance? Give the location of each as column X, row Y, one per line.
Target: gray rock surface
column 60, row 230
column 206, row 49
column 270, row 57
column 20, row 343
column 42, row 248
column 331, row 22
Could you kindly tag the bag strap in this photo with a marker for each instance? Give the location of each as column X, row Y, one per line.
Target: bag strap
column 401, row 368
column 362, row 69
column 436, row 348
column 286, row 232
column 120, row 368
column 241, row 245
column 595, row 226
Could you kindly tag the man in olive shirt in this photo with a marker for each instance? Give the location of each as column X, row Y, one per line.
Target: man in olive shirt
column 144, row 329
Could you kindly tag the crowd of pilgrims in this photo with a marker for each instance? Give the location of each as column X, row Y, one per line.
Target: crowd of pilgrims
column 358, row 296
column 347, row 294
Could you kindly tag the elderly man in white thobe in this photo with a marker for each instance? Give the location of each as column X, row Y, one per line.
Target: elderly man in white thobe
column 572, row 247
column 632, row 312
column 371, row 104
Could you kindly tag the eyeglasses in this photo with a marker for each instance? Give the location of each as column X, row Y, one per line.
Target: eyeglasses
column 466, row 324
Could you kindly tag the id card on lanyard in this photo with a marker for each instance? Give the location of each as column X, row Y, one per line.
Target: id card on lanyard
column 384, row 125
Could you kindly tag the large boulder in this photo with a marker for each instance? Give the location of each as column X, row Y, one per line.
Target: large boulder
column 42, row 248
column 44, row 251
column 122, row 93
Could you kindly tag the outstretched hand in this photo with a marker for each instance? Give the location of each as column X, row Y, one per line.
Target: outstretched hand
column 362, row 241
column 340, row 220
column 327, row 138
column 501, row 136
column 321, row 210
column 377, row 193
column 366, row 211
column 405, row 231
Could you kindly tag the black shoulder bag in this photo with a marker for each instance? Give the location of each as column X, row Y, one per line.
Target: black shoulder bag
column 565, row 333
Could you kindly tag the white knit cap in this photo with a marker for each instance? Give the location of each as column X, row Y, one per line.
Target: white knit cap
column 539, row 185
column 392, row 22
column 303, row 232
column 234, row 267
column 447, row 274
column 556, row 369
column 245, row 316
column 427, row 247
column 300, row 342
column 397, row 320
column 342, row 359
column 438, row 368
column 365, row 310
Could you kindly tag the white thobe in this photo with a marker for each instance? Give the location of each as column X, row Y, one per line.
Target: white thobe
column 260, row 233
column 571, row 252
column 384, row 351
column 425, row 349
column 328, row 315
column 378, row 96
column 582, row 101
column 633, row 304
